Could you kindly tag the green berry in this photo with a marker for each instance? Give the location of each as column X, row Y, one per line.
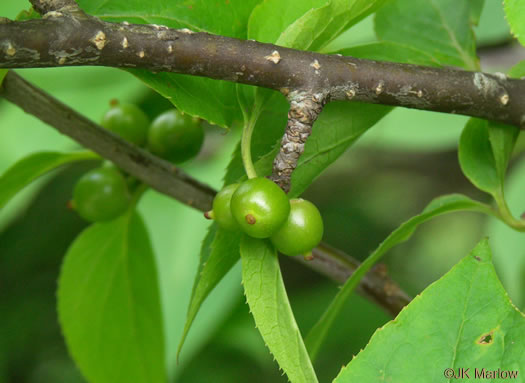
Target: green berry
column 260, row 207
column 221, row 211
column 128, row 121
column 101, row 195
column 302, row 231
column 175, row 136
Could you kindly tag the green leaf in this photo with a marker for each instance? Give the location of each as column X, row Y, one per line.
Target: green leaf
column 476, row 158
column 308, row 25
column 439, row 206
column 476, row 8
column 515, row 11
column 485, row 148
column 227, row 18
column 518, row 70
column 219, row 253
column 338, row 127
column 3, row 73
column 304, row 32
column 474, row 325
column 109, row 305
column 503, row 137
column 33, row 166
column 210, row 99
column 345, row 14
column 269, row 305
column 502, row 140
column 505, row 240
column 431, row 26
column 391, row 51
column 29, row 14
column 271, row 18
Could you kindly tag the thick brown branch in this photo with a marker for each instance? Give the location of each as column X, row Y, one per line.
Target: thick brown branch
column 62, row 39
column 171, row 181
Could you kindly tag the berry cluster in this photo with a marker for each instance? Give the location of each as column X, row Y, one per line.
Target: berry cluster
column 259, row 208
column 103, row 194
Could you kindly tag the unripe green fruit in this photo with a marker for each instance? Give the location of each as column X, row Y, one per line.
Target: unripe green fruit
column 175, row 136
column 221, row 211
column 260, row 207
column 302, row 231
column 101, row 195
column 128, row 121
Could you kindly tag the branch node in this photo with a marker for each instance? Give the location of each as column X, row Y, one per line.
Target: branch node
column 275, row 57
column 186, row 31
column 379, row 88
column 9, row 49
column 350, row 94
column 504, row 99
column 99, row 40
column 316, row 65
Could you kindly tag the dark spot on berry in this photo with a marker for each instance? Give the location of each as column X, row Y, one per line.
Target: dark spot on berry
column 250, row 219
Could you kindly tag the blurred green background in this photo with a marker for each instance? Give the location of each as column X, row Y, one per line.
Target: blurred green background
column 391, row 174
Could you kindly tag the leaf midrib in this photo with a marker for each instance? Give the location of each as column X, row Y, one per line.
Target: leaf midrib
column 455, row 44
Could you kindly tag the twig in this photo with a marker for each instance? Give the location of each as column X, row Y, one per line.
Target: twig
column 376, row 285
column 171, row 181
column 305, row 107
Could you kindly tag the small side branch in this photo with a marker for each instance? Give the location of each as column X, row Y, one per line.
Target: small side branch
column 305, row 107
column 376, row 285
